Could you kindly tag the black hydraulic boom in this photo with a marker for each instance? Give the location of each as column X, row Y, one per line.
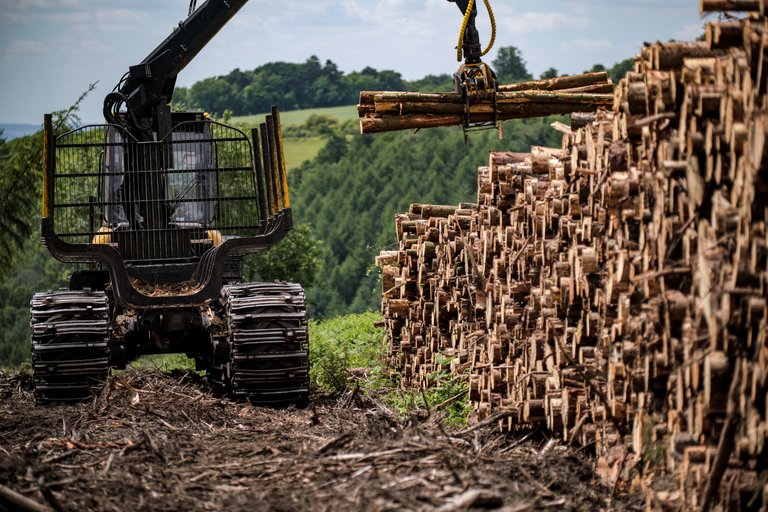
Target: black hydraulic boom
column 474, row 79
column 147, row 88
column 471, row 48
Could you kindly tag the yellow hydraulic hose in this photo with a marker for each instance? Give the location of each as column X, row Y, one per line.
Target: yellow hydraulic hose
column 493, row 27
column 465, row 22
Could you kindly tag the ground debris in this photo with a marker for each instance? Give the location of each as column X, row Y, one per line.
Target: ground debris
column 181, row 447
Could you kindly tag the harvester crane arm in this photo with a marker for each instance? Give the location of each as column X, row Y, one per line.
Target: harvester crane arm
column 147, row 88
column 471, row 47
column 474, row 79
column 469, row 38
column 161, row 208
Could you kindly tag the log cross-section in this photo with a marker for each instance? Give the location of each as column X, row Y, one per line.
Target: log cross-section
column 614, row 290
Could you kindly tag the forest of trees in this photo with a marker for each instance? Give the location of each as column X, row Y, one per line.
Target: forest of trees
column 344, row 200
column 313, row 84
column 351, row 194
column 293, row 86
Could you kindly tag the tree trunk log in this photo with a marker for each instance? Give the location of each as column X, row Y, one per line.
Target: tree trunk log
column 382, row 111
column 559, row 83
column 478, row 114
column 721, row 36
column 387, row 97
column 670, row 56
column 20, row 502
column 730, row 5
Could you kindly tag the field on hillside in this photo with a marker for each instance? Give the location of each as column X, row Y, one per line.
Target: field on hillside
column 299, row 117
column 300, row 149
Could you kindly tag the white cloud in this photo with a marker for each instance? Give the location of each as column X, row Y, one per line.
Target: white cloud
column 97, row 47
column 689, row 32
column 97, row 20
column 42, row 4
column 531, row 22
column 9, row 17
column 586, row 44
column 22, row 48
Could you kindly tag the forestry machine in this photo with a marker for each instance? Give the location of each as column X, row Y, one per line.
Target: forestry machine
column 474, row 80
column 159, row 208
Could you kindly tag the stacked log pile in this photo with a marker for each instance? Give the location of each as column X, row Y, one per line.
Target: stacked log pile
column 615, row 290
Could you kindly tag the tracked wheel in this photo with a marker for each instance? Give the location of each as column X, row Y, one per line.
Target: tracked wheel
column 70, row 344
column 266, row 347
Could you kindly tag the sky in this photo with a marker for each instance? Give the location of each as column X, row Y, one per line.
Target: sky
column 51, row 50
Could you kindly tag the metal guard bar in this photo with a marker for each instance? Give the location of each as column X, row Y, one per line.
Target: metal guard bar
column 272, row 211
column 210, row 268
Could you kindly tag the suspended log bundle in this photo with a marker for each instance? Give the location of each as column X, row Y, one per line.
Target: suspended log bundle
column 383, row 111
column 615, row 290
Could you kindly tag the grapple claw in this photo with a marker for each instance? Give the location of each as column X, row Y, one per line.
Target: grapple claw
column 476, row 83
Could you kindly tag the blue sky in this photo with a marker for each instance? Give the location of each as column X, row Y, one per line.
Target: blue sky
column 50, row 50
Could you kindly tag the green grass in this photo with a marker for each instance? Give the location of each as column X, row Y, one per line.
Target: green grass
column 447, row 397
column 164, row 362
column 299, row 149
column 299, row 117
column 350, row 351
column 340, row 344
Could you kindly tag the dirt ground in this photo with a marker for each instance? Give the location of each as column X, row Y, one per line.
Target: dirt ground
column 156, row 441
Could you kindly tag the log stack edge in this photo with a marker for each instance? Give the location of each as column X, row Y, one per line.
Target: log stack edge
column 615, row 290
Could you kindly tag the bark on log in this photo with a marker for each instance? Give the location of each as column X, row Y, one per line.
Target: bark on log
column 582, row 119
column 706, row 6
column 725, row 445
column 511, row 108
column 724, row 35
column 393, row 110
column 18, row 501
column 669, row 56
column 395, row 97
column 587, row 292
column 559, row 83
column 477, row 114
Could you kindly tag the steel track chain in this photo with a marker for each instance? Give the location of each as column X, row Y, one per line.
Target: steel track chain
column 268, row 342
column 70, row 344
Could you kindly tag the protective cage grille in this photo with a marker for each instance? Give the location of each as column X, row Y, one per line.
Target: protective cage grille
column 166, row 200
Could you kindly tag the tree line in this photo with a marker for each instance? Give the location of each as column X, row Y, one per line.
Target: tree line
column 351, row 192
column 313, row 84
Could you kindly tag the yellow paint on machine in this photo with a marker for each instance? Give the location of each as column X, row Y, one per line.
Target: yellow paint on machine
column 214, row 235
column 103, row 237
column 283, row 175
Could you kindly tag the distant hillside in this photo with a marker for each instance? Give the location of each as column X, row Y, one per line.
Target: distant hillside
column 351, row 191
column 304, row 131
column 290, row 118
column 293, row 86
column 13, row 131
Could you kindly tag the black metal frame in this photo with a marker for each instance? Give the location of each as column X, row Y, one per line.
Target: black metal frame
column 146, row 89
column 273, row 205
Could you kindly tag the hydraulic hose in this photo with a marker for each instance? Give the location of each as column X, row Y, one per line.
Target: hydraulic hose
column 465, row 22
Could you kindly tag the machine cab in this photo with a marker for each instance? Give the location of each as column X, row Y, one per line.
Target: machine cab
column 175, row 210
column 187, row 188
